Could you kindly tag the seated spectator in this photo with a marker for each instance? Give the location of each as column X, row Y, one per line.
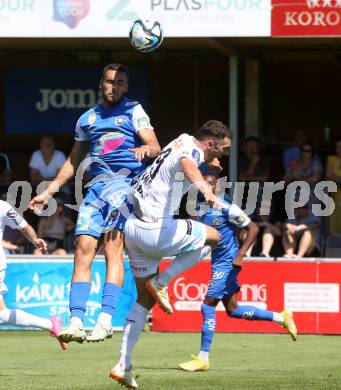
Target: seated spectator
column 308, row 168
column 46, row 162
column 333, row 172
column 55, row 229
column 253, row 166
column 292, row 154
column 13, row 241
column 301, row 234
column 5, row 168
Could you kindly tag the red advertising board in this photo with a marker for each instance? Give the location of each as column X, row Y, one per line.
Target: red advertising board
column 310, row 18
column 311, row 290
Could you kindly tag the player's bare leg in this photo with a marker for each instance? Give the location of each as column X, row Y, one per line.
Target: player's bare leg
column 113, row 252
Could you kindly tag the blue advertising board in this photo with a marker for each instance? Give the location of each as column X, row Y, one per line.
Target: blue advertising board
column 42, row 288
column 41, row 101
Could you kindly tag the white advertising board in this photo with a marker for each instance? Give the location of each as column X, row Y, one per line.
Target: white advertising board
column 113, row 18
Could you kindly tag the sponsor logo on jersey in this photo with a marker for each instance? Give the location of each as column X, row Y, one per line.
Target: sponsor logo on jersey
column 91, row 118
column 196, row 156
column 110, row 142
column 143, row 123
column 70, row 12
column 241, row 219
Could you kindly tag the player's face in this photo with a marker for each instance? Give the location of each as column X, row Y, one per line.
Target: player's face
column 212, row 181
column 218, row 148
column 114, row 85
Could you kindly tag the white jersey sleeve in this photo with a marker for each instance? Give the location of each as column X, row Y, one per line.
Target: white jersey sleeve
column 235, row 215
column 13, row 219
column 140, row 119
column 80, row 134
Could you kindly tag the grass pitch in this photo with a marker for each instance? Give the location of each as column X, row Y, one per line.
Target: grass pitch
column 33, row 361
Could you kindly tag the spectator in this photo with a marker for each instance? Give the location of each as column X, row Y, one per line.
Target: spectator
column 292, row 154
column 301, row 234
column 5, row 168
column 13, row 241
column 55, row 230
column 253, row 166
column 46, row 162
column 308, row 167
column 333, row 172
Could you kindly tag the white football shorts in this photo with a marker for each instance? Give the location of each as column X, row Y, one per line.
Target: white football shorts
column 147, row 243
column 3, row 287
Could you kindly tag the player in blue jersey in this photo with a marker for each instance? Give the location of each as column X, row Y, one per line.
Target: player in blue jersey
column 227, row 260
column 117, row 136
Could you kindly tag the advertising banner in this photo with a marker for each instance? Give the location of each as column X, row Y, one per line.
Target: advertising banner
column 113, row 18
column 56, row 98
column 310, row 18
column 42, row 288
column 311, row 290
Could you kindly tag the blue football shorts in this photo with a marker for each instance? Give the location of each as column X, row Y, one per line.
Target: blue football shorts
column 105, row 207
column 224, row 281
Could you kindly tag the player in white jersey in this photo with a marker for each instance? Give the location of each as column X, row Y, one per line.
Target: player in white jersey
column 8, row 216
column 152, row 233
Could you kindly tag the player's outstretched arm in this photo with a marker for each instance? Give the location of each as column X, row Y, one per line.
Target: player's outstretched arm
column 150, row 148
column 193, row 174
column 31, row 236
column 67, row 171
column 251, row 235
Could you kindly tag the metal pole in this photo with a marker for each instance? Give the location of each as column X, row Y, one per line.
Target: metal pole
column 233, row 115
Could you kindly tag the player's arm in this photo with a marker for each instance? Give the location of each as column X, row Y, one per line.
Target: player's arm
column 194, row 175
column 31, row 236
column 66, row 172
column 237, row 217
column 251, row 235
column 150, row 148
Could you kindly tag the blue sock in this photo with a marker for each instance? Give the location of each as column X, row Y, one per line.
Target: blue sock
column 208, row 327
column 248, row 312
column 79, row 294
column 110, row 296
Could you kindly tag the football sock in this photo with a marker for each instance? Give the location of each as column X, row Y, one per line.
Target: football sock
column 203, row 355
column 248, row 312
column 208, row 327
column 182, row 263
column 105, row 319
column 21, row 318
column 132, row 329
column 79, row 294
column 277, row 317
column 110, row 296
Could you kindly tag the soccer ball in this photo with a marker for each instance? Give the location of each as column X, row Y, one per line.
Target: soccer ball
column 146, row 35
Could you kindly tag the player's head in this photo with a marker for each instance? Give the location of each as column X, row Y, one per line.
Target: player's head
column 211, row 179
column 215, row 139
column 252, row 145
column 114, row 83
column 47, row 145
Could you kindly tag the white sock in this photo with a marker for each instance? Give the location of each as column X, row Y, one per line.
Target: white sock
column 277, row 317
column 204, row 356
column 182, row 263
column 76, row 320
column 131, row 333
column 21, row 318
column 105, row 319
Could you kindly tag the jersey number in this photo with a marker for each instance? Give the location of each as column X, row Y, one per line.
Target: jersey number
column 158, row 162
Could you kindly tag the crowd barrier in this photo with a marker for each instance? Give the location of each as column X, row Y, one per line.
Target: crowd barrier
column 309, row 287
column 40, row 285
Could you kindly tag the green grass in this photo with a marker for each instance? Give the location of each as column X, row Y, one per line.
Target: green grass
column 32, row 360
